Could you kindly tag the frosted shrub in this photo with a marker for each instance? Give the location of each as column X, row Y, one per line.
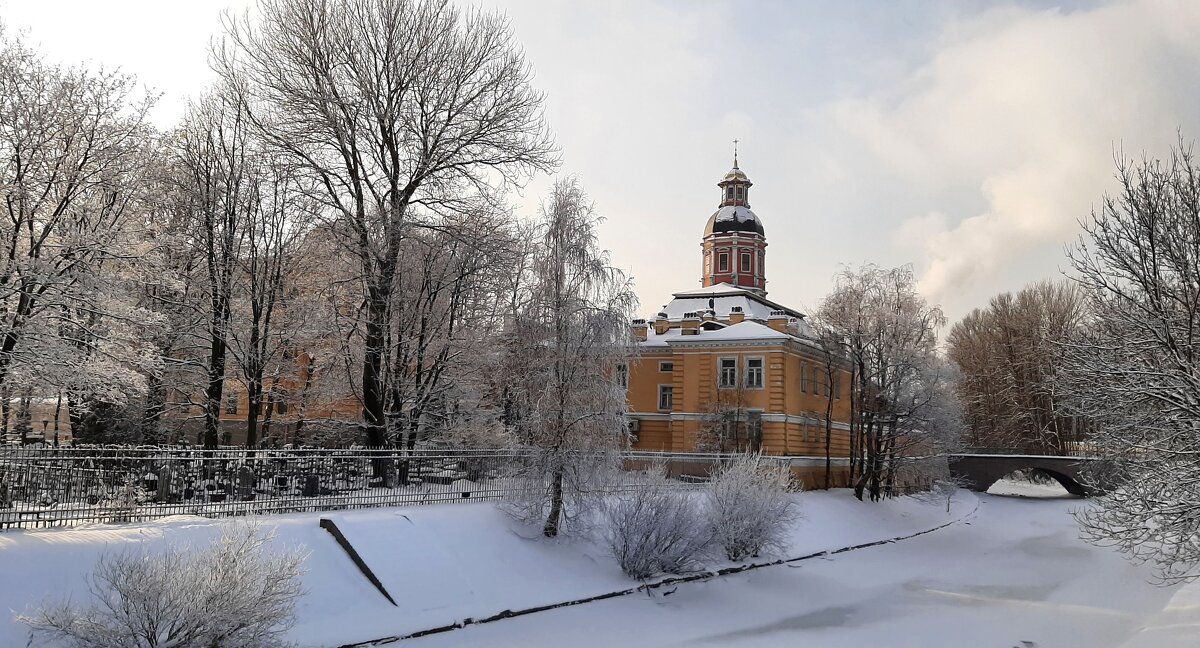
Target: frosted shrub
column 237, row 592
column 653, row 528
column 750, row 506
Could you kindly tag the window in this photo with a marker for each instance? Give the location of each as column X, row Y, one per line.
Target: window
column 231, row 404
column 837, row 386
column 754, row 373
column 728, row 193
column 281, row 403
column 623, row 375
column 723, row 262
column 762, row 266
column 803, row 377
column 816, row 381
column 666, row 397
column 745, row 262
column 754, row 430
column 708, row 263
column 728, row 375
column 741, row 193
column 666, row 367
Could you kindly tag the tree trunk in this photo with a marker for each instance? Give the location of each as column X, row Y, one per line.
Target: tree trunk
column 556, row 504
column 372, row 372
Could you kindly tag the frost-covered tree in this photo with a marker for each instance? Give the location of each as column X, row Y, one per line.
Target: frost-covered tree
column 74, row 149
column 652, row 526
column 902, row 404
column 392, row 108
column 1134, row 368
column 237, row 592
column 571, row 342
column 751, row 506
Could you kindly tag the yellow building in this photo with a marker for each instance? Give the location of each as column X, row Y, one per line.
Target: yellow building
column 722, row 368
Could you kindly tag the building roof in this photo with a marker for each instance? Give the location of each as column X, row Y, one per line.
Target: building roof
column 731, row 218
column 724, row 297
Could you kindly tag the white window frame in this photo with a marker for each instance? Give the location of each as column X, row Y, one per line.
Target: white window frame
column 723, row 261
column 669, row 392
column 762, row 372
column 666, row 366
column 721, row 382
column 747, row 263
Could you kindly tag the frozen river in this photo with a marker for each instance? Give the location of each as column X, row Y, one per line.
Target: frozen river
column 1015, row 575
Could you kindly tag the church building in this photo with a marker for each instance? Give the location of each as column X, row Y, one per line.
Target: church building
column 721, row 368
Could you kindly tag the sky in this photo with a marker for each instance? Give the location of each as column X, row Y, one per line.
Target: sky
column 967, row 139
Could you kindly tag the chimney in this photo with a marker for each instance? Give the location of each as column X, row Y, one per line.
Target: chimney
column 661, row 324
column 736, row 316
column 691, row 323
column 710, row 315
column 640, row 329
column 778, row 321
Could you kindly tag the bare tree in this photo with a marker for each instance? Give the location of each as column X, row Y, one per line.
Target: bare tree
column 390, row 106
column 1132, row 370
column 215, row 163
column 1009, row 355
column 572, row 338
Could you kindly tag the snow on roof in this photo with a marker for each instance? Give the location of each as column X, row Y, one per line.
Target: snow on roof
column 731, row 212
column 741, row 331
column 724, row 298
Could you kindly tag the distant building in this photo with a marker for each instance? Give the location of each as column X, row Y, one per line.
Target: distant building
column 722, row 368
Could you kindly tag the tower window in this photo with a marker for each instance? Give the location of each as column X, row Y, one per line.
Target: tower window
column 723, row 262
column 746, row 262
column 728, row 193
column 741, row 193
column 762, row 266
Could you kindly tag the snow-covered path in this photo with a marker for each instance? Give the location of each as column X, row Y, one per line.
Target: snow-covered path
column 1015, row 573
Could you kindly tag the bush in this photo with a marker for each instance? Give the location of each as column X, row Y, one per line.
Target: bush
column 750, row 506
column 652, row 527
column 235, row 593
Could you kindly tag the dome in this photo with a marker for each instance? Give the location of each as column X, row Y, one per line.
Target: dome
column 731, row 218
column 735, row 175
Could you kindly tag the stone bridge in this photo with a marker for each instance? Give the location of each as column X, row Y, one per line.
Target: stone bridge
column 980, row 471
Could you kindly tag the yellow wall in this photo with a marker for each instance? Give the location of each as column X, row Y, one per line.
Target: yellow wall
column 695, row 391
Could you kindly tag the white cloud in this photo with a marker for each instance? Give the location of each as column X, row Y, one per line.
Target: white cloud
column 1015, row 116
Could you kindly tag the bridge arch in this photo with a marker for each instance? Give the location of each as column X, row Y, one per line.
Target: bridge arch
column 979, row 471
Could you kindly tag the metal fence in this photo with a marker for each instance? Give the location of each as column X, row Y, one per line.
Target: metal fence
column 46, row 486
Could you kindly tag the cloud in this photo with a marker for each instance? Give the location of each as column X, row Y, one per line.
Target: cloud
column 1011, row 124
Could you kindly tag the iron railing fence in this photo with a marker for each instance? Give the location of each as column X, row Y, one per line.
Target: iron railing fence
column 47, row 486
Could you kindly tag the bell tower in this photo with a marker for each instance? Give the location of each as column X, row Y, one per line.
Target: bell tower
column 734, row 241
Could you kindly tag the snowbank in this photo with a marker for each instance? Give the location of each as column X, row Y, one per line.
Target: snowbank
column 1177, row 626
column 441, row 564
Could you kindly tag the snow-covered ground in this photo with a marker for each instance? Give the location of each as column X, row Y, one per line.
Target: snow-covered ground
column 1013, row 571
column 1027, row 488
column 441, row 564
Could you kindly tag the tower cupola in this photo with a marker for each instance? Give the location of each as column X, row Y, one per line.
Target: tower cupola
column 734, row 239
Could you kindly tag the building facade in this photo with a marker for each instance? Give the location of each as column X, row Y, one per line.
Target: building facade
column 723, row 368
